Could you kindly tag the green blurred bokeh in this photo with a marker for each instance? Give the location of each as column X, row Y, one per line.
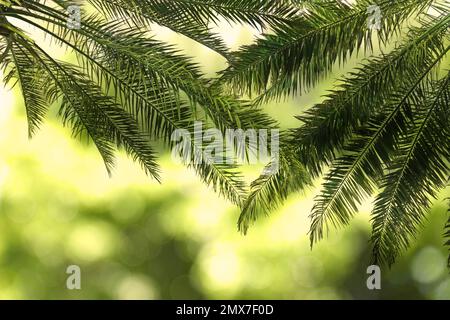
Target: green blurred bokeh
column 136, row 239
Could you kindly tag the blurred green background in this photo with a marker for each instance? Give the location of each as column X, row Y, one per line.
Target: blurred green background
column 136, row 239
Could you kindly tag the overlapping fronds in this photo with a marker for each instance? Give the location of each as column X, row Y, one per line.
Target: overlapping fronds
column 86, row 109
column 294, row 58
column 418, row 169
column 194, row 19
column 259, row 14
column 280, row 178
column 368, row 157
column 27, row 72
column 353, row 175
column 123, row 72
column 328, row 124
column 385, row 127
column 382, row 131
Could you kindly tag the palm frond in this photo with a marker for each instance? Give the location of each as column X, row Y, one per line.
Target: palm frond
column 384, row 127
column 294, row 58
column 193, row 18
column 145, row 15
column 417, row 171
column 163, row 63
column 145, row 77
column 280, row 178
column 353, row 176
column 359, row 96
column 87, row 110
column 28, row 75
column 256, row 13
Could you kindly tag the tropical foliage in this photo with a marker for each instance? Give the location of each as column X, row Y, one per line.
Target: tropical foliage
column 383, row 131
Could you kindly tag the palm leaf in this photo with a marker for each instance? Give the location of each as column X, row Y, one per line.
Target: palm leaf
column 295, row 57
column 354, row 175
column 416, row 172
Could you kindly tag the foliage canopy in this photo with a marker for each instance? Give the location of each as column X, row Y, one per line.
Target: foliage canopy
column 383, row 131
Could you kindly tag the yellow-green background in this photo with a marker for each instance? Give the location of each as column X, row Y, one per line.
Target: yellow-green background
column 134, row 238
